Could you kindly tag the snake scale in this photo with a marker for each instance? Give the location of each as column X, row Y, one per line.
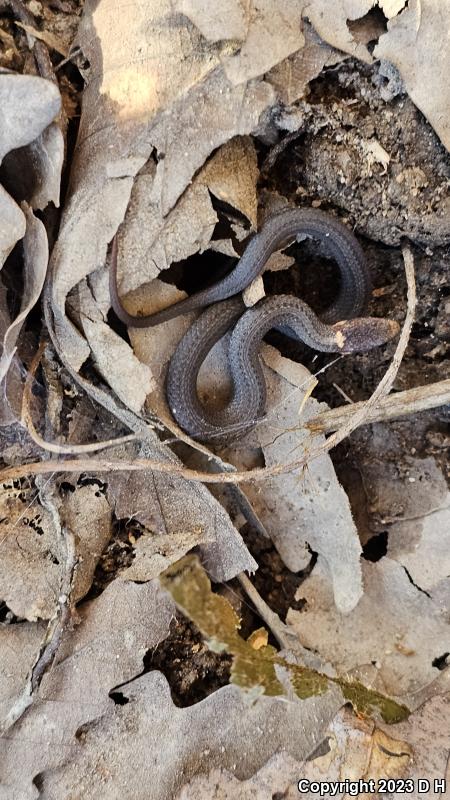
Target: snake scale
column 340, row 328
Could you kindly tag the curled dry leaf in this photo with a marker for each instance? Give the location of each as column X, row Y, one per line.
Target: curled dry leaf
column 28, row 105
column 151, row 242
column 46, row 154
column 35, row 249
column 104, row 650
column 13, row 225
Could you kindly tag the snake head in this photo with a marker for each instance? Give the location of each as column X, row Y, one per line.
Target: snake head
column 359, row 335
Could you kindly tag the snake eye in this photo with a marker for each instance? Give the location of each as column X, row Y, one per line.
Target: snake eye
column 359, row 335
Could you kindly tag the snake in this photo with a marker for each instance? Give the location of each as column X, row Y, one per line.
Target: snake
column 340, row 328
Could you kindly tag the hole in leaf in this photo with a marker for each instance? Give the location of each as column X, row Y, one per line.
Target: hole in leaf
column 441, row 661
column 376, row 547
column 119, row 698
column 368, row 29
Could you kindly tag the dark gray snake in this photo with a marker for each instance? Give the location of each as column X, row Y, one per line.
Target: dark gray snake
column 287, row 314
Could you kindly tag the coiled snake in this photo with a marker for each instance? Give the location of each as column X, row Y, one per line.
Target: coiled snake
column 340, row 329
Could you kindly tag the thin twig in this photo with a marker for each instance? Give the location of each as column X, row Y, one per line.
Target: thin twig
column 400, row 404
column 52, row 447
column 260, row 473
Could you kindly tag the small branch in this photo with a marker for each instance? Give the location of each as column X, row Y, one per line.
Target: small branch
column 400, row 404
column 261, row 473
column 57, row 625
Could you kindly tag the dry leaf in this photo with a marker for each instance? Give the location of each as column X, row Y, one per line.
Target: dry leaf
column 154, row 553
column 13, row 226
column 150, row 242
column 291, row 76
column 171, row 745
column 334, row 28
column 104, row 650
column 277, row 778
column 358, row 750
column 426, row 733
column 232, row 174
column 178, row 105
column 382, row 630
column 400, row 492
column 272, row 32
column 28, row 105
column 46, row 154
column 35, row 246
column 132, row 380
column 33, row 550
column 171, row 506
column 422, row 546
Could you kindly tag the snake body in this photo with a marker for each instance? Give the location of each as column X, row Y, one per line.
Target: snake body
column 288, row 314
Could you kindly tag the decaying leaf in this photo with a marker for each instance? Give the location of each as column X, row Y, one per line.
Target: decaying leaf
column 33, row 550
column 104, row 650
column 260, row 670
